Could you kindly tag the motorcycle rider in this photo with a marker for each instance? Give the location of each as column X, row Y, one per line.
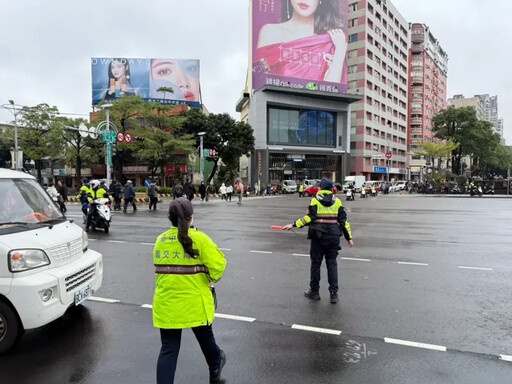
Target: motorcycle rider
column 327, row 221
column 96, row 192
column 83, row 196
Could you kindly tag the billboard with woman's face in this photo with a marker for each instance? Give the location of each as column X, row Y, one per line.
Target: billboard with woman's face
column 151, row 79
column 300, row 44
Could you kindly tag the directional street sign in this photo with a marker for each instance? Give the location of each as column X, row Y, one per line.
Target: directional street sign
column 109, row 153
column 128, row 138
column 209, row 152
column 379, row 169
column 109, row 137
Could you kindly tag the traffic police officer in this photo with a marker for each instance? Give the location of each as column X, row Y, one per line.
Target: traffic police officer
column 83, row 197
column 327, row 221
column 95, row 192
column 186, row 262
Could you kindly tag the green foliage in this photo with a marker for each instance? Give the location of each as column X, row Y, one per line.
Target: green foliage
column 141, row 189
column 229, row 138
column 165, row 190
column 165, row 90
column 433, row 150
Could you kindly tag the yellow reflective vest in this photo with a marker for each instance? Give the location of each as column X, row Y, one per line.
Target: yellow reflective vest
column 183, row 298
column 84, row 192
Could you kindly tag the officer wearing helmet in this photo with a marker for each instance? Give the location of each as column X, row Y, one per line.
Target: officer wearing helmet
column 327, row 221
column 96, row 191
column 83, row 195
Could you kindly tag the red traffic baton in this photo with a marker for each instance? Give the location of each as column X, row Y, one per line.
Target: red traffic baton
column 277, row 227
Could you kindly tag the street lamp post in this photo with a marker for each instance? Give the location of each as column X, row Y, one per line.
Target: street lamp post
column 12, row 108
column 108, row 144
column 201, row 166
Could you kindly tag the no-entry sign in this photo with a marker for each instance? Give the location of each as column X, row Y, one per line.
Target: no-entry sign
column 128, row 138
column 389, row 155
column 120, row 137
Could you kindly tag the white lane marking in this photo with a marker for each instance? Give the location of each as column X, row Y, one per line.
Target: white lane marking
column 406, row 263
column 117, row 241
column 433, row 347
column 234, row 317
column 103, row 300
column 265, row 252
column 477, row 268
column 353, row 259
column 315, row 329
column 300, row 254
column 506, row 358
column 152, row 244
column 225, row 249
column 146, row 306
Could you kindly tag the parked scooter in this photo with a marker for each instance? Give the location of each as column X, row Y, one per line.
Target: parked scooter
column 102, row 218
column 350, row 194
column 488, row 190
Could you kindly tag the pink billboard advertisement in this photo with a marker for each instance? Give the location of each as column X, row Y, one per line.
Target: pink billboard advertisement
column 300, row 44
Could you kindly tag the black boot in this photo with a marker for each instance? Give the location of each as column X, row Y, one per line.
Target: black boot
column 215, row 376
column 312, row 295
column 334, row 297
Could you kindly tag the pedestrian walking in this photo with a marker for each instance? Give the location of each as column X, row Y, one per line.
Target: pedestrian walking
column 187, row 262
column 256, row 189
column 189, row 191
column 115, row 191
column 177, row 191
column 129, row 196
column 153, row 195
column 223, row 192
column 55, row 195
column 63, row 192
column 229, row 191
column 239, row 191
column 202, row 190
column 327, row 221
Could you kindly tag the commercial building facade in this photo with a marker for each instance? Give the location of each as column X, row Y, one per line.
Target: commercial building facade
column 428, row 69
column 459, row 101
column 489, row 106
column 378, row 53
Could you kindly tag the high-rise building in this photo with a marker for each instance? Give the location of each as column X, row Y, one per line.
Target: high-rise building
column 489, row 106
column 459, row 101
column 377, row 66
column 428, row 67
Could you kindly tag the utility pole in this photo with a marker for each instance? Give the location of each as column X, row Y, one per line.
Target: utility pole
column 108, row 144
column 11, row 107
column 201, row 166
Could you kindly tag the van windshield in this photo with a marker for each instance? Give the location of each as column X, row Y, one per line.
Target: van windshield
column 24, row 201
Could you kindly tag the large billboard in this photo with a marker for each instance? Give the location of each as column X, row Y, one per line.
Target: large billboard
column 113, row 78
column 300, row 44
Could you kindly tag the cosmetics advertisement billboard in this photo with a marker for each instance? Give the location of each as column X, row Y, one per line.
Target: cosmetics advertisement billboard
column 300, row 44
column 165, row 81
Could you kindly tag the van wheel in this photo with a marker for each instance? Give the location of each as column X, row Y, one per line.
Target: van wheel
column 10, row 330
column 307, row 194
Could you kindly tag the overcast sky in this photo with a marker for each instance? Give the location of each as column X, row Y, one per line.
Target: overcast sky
column 46, row 46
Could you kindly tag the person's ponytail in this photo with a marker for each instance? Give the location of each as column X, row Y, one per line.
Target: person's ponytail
column 180, row 213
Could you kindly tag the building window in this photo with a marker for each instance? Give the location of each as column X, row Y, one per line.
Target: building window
column 352, row 53
column 353, row 7
column 352, row 22
column 352, row 84
column 352, row 69
column 301, row 127
column 352, row 38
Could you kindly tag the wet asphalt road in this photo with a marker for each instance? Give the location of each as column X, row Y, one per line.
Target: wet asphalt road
column 424, row 270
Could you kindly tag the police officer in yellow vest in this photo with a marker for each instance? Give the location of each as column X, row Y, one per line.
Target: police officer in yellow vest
column 186, row 263
column 327, row 222
column 96, row 191
column 83, row 196
column 301, row 190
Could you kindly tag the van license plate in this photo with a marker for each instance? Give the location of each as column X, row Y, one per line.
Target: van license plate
column 82, row 295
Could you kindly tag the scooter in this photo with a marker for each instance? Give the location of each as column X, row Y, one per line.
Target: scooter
column 350, row 195
column 363, row 193
column 102, row 218
column 374, row 192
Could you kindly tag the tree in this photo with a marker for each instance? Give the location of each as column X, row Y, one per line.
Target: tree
column 165, row 90
column 5, row 148
column 39, row 137
column 432, row 150
column 230, row 139
column 78, row 151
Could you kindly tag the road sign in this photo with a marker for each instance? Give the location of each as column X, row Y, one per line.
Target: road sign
column 83, row 130
column 109, row 153
column 93, row 133
column 389, row 155
column 147, row 183
column 120, row 137
column 209, row 152
column 379, row 169
column 128, row 138
column 109, row 137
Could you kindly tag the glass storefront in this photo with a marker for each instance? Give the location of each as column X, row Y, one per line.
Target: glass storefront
column 301, row 127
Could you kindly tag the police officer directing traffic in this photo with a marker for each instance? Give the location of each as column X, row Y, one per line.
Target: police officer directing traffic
column 186, row 262
column 327, row 221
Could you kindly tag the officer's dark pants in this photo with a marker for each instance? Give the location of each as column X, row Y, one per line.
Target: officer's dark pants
column 93, row 210
column 152, row 202
column 326, row 247
column 171, row 340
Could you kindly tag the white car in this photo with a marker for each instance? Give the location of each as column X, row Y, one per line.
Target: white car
column 400, row 186
column 46, row 265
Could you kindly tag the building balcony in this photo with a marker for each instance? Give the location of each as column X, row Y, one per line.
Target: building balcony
column 419, row 38
column 417, row 48
column 417, row 80
column 417, row 121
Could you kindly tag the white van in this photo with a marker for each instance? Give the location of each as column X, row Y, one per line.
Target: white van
column 308, row 183
column 289, row 186
column 45, row 264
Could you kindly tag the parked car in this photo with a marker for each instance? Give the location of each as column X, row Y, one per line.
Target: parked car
column 401, row 186
column 46, row 265
column 368, row 184
column 312, row 191
column 288, row 186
